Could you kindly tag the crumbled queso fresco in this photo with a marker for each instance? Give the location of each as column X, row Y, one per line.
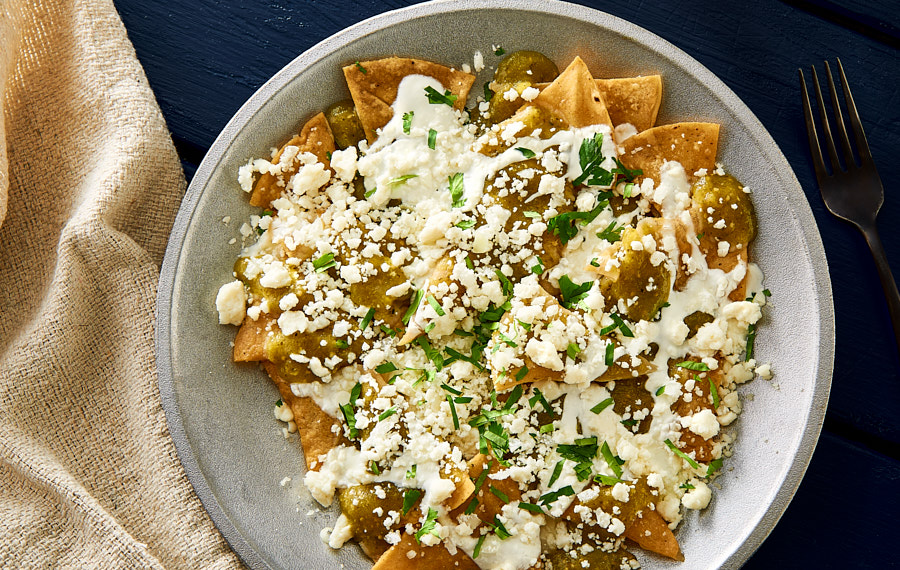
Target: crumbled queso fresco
column 522, row 346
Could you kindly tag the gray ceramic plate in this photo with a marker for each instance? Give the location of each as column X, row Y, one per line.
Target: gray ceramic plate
column 220, row 414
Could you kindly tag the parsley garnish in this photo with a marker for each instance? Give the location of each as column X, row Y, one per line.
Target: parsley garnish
column 324, row 263
column 407, row 121
column 413, row 306
column 531, row 214
column 571, row 293
column 367, row 319
column 629, row 188
column 488, row 94
column 623, row 328
column 547, row 428
column 432, row 138
column 686, row 486
column 691, row 365
column 611, row 234
column 373, row 468
column 456, row 190
column 428, row 527
column 766, row 292
column 602, row 405
column 341, row 343
column 410, row 498
column 361, row 68
column 606, row 479
column 682, row 454
column 526, row 152
column 435, row 98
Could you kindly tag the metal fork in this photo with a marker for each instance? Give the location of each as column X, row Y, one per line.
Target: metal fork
column 853, row 190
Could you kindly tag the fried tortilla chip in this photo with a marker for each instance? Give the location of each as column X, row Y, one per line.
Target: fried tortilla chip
column 250, row 341
column 317, row 430
column 651, row 532
column 633, row 100
column 574, row 97
column 373, row 86
column 314, row 137
column 410, row 555
column 694, row 145
column 489, row 503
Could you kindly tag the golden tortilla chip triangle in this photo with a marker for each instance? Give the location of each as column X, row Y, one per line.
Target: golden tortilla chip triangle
column 575, row 98
column 694, row 145
column 410, row 555
column 632, row 100
column 314, row 137
column 373, row 86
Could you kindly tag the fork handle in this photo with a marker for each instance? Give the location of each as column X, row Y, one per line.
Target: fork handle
column 887, row 278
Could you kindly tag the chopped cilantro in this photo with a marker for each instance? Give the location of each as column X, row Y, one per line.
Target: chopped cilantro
column 531, row 507
column 751, row 339
column 373, row 468
column 538, row 397
column 613, row 461
column 360, row 67
column 432, row 138
column 324, row 263
column 478, row 546
column 499, row 494
column 453, row 411
column 410, row 498
column 402, row 179
column 369, row 193
column 629, row 423
column 348, row 410
column 386, row 368
column 521, row 374
column 456, row 190
column 465, row 224
column 766, row 292
column 433, row 354
column 714, row 466
column 413, row 306
column 628, row 190
column 682, row 454
column 428, row 527
column 451, row 389
column 538, row 268
column 429, row 327
column 590, row 156
column 661, row 390
column 611, row 234
column 686, row 486
column 407, row 121
column 602, row 405
column 469, row 263
column 594, row 262
column 547, row 428
column 279, row 403
column 691, row 365
column 700, row 235
column 582, row 453
column 387, row 413
column 572, row 294
column 609, row 357
column 411, row 472
column 564, row 225
column 712, row 391
column 341, row 343
column 573, row 350
column 620, row 323
column 435, row 98
column 624, row 172
column 499, row 51
column 553, row 496
column 526, row 152
column 531, row 214
column 504, row 282
column 435, row 305
column 499, row 529
column 367, row 319
column 606, row 479
column 557, row 471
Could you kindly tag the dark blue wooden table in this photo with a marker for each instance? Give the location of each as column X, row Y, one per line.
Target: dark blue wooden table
column 204, row 58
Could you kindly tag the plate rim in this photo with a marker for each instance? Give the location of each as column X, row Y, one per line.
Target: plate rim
column 240, row 543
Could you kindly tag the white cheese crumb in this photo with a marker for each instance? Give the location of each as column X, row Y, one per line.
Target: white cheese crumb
column 231, row 303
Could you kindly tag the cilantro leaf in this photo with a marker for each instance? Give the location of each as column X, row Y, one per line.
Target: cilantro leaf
column 564, row 225
column 435, row 97
column 572, row 294
column 407, row 121
column 590, row 156
column 456, row 190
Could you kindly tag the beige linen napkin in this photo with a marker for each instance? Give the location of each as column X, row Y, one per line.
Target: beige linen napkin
column 89, row 477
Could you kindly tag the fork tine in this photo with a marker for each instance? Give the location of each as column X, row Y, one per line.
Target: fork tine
column 814, row 148
column 826, row 128
column 862, row 145
column 839, row 119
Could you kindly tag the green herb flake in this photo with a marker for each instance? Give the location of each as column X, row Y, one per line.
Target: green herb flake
column 531, row 507
column 432, row 353
column 713, row 391
column 478, row 546
column 682, row 454
column 538, row 268
column 595, row 263
column 413, row 306
column 590, row 156
column 628, row 190
column 691, row 365
column 611, row 234
column 557, row 471
column 386, row 367
column 324, row 263
column 456, row 190
column 714, row 466
column 573, row 350
column 499, row 529
column 432, row 138
column 341, row 343
column 500, row 494
column 606, row 479
column 625, row 172
column 369, row 193
column 469, row 263
column 766, row 292
column 387, row 413
column 488, row 94
column 526, row 152
column 700, row 235
column 751, row 339
column 499, row 51
column 531, row 214
column 620, row 323
column 373, row 468
column 348, row 410
column 553, row 496
column 609, row 357
column 565, row 226
column 401, row 179
column 407, row 121
column 279, row 403
column 539, row 397
column 602, row 405
column 548, row 428
column 521, row 374
column 360, row 67
column 661, row 390
column 435, row 305
column 687, row 486
column 572, row 294
column 367, row 319
column 410, row 498
column 435, row 97
column 453, row 411
column 614, row 462
column 411, row 472
column 429, row 526
column 465, row 224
